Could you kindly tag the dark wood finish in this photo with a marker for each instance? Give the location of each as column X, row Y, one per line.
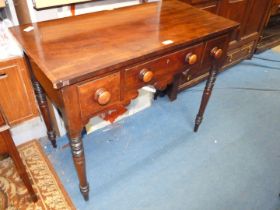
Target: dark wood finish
column 43, row 105
column 206, row 95
column 74, row 124
column 271, row 34
column 215, row 56
column 44, row 108
column 77, row 48
column 80, row 163
column 7, row 146
column 16, row 91
column 86, row 70
column 251, row 14
column 270, row 37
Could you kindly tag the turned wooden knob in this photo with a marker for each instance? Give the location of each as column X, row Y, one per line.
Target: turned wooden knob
column 146, row 75
column 191, row 58
column 102, row 96
column 216, row 52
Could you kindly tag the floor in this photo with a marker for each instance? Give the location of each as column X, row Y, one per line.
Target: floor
column 154, row 161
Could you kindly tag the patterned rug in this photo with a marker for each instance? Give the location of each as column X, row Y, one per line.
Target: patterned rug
column 14, row 195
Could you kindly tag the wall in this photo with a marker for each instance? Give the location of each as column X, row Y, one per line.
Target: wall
column 64, row 11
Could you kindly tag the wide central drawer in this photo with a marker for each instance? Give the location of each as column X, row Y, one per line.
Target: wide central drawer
column 161, row 70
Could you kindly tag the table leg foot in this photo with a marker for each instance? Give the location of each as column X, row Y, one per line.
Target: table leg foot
column 198, row 121
column 52, row 138
column 85, row 192
column 80, row 164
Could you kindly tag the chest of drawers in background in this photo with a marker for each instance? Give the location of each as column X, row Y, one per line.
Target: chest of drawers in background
column 251, row 14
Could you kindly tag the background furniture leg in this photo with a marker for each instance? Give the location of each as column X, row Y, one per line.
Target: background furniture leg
column 206, row 95
column 173, row 88
column 44, row 108
column 18, row 163
column 79, row 161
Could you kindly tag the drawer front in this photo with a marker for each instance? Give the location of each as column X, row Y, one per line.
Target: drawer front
column 98, row 94
column 218, row 43
column 238, row 55
column 162, row 69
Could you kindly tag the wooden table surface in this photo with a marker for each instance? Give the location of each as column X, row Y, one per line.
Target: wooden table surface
column 73, row 49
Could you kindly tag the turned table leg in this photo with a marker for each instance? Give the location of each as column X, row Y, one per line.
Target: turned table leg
column 216, row 55
column 43, row 104
column 44, row 108
column 205, row 98
column 80, row 165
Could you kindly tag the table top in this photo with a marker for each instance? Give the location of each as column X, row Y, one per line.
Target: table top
column 76, row 48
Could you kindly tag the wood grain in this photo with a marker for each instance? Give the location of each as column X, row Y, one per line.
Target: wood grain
column 16, row 94
column 72, row 49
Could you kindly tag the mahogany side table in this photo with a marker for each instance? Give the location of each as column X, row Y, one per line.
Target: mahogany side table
column 93, row 63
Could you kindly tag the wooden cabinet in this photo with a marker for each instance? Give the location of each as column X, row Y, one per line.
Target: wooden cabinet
column 16, row 94
column 208, row 5
column 237, row 11
column 251, row 14
column 270, row 35
column 275, row 8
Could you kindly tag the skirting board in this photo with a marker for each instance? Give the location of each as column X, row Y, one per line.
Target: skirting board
column 39, row 4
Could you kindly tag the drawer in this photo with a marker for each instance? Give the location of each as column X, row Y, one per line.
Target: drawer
column 97, row 94
column 161, row 70
column 240, row 54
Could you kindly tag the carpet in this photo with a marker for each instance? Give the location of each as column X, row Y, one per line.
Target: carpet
column 13, row 193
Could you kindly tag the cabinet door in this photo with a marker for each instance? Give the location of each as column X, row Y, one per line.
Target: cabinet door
column 256, row 20
column 16, row 94
column 237, row 10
